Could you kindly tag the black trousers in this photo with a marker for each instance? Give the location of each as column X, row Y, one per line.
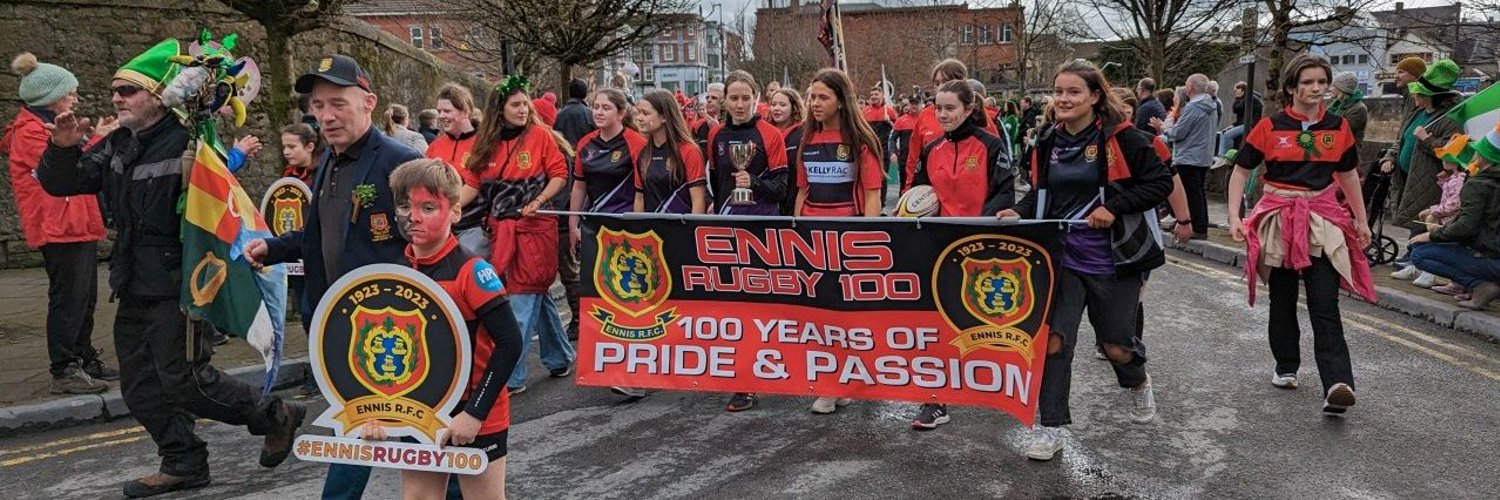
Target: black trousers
column 567, row 272
column 165, row 387
column 72, row 292
column 1113, row 304
column 1329, row 348
column 1195, row 185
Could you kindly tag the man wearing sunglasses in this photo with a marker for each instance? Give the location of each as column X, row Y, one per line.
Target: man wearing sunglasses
column 166, row 379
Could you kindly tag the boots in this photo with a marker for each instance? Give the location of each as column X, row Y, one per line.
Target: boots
column 1483, row 294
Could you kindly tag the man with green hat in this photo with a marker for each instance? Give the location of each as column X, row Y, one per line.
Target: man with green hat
column 166, row 378
column 1412, row 163
column 1467, row 250
column 66, row 230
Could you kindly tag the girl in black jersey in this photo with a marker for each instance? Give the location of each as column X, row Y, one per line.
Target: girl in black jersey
column 766, row 174
column 670, row 177
column 604, row 172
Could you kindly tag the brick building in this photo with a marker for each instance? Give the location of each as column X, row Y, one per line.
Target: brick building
column 427, row 27
column 693, row 53
column 907, row 40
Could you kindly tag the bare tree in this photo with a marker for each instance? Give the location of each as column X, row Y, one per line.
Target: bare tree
column 283, row 19
column 1049, row 28
column 570, row 32
column 1167, row 34
column 1332, row 18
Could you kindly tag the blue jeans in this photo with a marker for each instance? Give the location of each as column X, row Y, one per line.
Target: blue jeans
column 536, row 312
column 1456, row 262
column 347, row 482
column 1226, row 139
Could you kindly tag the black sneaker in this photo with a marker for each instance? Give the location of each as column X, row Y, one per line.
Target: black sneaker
column 741, row 401
column 97, row 369
column 573, row 331
column 76, row 381
column 562, row 372
column 930, row 416
column 162, row 482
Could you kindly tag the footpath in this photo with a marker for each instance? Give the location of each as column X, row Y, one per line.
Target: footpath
column 26, row 403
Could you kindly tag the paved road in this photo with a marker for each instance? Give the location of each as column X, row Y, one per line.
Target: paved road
column 1424, row 428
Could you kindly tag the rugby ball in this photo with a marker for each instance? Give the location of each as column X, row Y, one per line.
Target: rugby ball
column 919, row 201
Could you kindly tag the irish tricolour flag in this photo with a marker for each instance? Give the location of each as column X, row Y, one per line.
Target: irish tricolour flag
column 219, row 285
column 1478, row 114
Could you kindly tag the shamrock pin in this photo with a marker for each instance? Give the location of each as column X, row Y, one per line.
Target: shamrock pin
column 364, row 197
column 1305, row 139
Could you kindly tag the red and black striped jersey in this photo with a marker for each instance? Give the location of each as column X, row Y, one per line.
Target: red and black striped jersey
column 475, row 287
column 1300, row 152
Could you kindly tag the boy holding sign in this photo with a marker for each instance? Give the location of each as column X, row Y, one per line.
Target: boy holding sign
column 426, row 193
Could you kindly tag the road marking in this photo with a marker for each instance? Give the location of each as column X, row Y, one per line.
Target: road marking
column 71, row 440
column 1367, row 323
column 31, row 458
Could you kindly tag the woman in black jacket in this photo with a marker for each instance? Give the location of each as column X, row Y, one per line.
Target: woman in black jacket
column 1092, row 166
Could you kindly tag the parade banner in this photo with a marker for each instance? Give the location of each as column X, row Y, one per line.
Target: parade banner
column 933, row 312
column 389, row 347
column 285, row 207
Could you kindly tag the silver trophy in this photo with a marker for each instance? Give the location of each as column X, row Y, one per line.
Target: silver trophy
column 740, row 155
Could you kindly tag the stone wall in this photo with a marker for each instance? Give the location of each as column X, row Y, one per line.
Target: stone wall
column 92, row 38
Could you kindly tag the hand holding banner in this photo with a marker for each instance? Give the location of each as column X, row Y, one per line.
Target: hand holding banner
column 870, row 308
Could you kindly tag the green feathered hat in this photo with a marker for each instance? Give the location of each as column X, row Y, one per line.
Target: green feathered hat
column 153, row 69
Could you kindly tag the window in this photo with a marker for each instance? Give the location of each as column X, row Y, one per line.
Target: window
column 1395, row 58
column 713, row 60
column 669, row 53
column 416, row 36
column 690, row 55
column 984, row 35
column 1007, row 33
column 692, row 88
column 435, row 35
column 645, row 53
column 1349, row 59
column 1364, row 59
column 968, row 35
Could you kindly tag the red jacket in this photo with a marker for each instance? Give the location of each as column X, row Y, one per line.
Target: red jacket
column 45, row 219
column 927, row 130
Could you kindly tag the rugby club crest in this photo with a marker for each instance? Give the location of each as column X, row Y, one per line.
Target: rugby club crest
column 389, row 346
column 632, row 278
column 285, row 207
column 1003, row 286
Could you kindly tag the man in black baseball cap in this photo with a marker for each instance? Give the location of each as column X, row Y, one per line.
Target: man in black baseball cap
column 341, row 235
column 337, row 69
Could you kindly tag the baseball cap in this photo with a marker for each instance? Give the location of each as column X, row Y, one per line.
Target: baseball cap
column 337, row 69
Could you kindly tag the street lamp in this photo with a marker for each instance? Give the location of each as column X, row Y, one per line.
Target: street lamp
column 723, row 43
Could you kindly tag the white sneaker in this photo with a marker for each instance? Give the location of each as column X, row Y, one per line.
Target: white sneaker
column 1284, row 380
column 824, row 406
column 1407, row 273
column 1145, row 403
column 1045, row 443
column 1426, row 280
column 1340, row 398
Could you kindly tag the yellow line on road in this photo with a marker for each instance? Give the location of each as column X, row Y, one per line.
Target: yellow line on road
column 71, row 440
column 21, row 460
column 1385, row 330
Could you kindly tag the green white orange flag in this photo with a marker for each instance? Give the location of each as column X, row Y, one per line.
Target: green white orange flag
column 219, row 284
column 1478, row 114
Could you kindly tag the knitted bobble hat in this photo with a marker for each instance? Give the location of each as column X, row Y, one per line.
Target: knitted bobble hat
column 42, row 84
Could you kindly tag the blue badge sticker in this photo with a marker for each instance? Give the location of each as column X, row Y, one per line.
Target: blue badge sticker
column 487, row 278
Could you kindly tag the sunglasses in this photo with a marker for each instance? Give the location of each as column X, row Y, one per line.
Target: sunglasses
column 125, row 90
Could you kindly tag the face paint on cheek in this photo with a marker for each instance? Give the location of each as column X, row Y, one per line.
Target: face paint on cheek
column 424, row 228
